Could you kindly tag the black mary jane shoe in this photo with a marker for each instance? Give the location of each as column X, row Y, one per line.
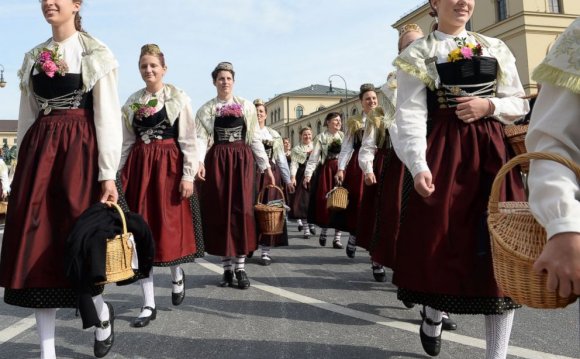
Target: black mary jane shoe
column 300, row 227
column 380, row 275
column 177, row 298
column 102, row 347
column 243, row 281
column 141, row 322
column 312, row 230
column 265, row 260
column 322, row 240
column 431, row 345
column 448, row 323
column 350, row 250
column 227, row 279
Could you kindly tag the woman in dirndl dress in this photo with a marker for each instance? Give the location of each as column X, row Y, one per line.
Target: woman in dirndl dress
column 456, row 90
column 301, row 198
column 274, row 147
column 229, row 125
column 70, row 144
column 321, row 167
column 159, row 163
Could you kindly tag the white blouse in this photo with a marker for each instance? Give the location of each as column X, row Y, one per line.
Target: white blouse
column 408, row 133
column 107, row 110
column 347, row 148
column 554, row 190
column 318, row 154
column 299, row 149
column 281, row 161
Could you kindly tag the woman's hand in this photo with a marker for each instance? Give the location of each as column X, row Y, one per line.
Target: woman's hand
column 339, row 177
column 201, row 172
column 560, row 259
column 186, row 189
column 290, row 187
column 471, row 109
column 306, row 182
column 424, row 183
column 293, row 181
column 271, row 180
column 109, row 191
column 370, row 179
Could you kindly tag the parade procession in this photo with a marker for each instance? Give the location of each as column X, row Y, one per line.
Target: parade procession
column 435, row 214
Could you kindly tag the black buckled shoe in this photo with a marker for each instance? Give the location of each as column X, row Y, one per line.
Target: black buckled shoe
column 227, row 278
column 431, row 345
column 410, row 305
column 300, row 227
column 243, row 281
column 322, row 240
column 336, row 244
column 102, row 347
column 448, row 323
column 265, row 260
column 177, row 298
column 306, row 235
column 379, row 273
column 141, row 322
column 312, row 230
column 350, row 250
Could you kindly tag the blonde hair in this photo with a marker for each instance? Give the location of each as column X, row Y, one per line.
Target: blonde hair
column 153, row 50
column 406, row 29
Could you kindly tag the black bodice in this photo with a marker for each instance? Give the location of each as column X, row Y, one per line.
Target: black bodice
column 155, row 127
column 69, row 84
column 229, row 129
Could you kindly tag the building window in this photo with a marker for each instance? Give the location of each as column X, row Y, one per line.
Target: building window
column 292, row 139
column 554, row 6
column 278, row 115
column 318, row 126
column 299, row 111
column 354, row 111
column 501, row 10
column 5, row 141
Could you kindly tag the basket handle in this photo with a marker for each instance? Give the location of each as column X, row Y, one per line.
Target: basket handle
column 113, row 204
column 261, row 195
column 524, row 158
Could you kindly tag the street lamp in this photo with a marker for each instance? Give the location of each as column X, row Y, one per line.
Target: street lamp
column 2, row 82
column 345, row 88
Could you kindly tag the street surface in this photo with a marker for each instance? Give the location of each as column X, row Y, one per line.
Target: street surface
column 312, row 302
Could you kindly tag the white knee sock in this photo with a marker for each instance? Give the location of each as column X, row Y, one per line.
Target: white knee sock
column 45, row 325
column 227, row 263
column 266, row 250
column 103, row 313
column 239, row 263
column 337, row 235
column 323, row 232
column 436, row 316
column 306, row 228
column 497, row 334
column 176, row 276
column 148, row 290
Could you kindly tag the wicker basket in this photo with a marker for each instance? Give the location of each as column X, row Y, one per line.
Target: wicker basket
column 516, row 136
column 119, row 254
column 337, row 199
column 518, row 240
column 270, row 218
column 3, row 207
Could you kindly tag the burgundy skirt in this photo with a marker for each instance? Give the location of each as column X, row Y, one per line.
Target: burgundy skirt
column 270, row 195
column 354, row 183
column 301, row 197
column 55, row 181
column 151, row 179
column 227, row 200
column 443, row 249
column 322, row 182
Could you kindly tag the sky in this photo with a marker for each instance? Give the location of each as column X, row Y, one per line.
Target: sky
column 276, row 46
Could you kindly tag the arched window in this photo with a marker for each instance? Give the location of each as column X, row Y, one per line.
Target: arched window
column 299, row 111
column 501, row 10
column 278, row 118
column 319, row 126
column 292, row 142
column 354, row 111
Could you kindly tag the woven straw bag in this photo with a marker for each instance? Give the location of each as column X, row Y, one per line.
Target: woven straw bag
column 516, row 136
column 518, row 240
column 270, row 218
column 337, row 199
column 119, row 253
